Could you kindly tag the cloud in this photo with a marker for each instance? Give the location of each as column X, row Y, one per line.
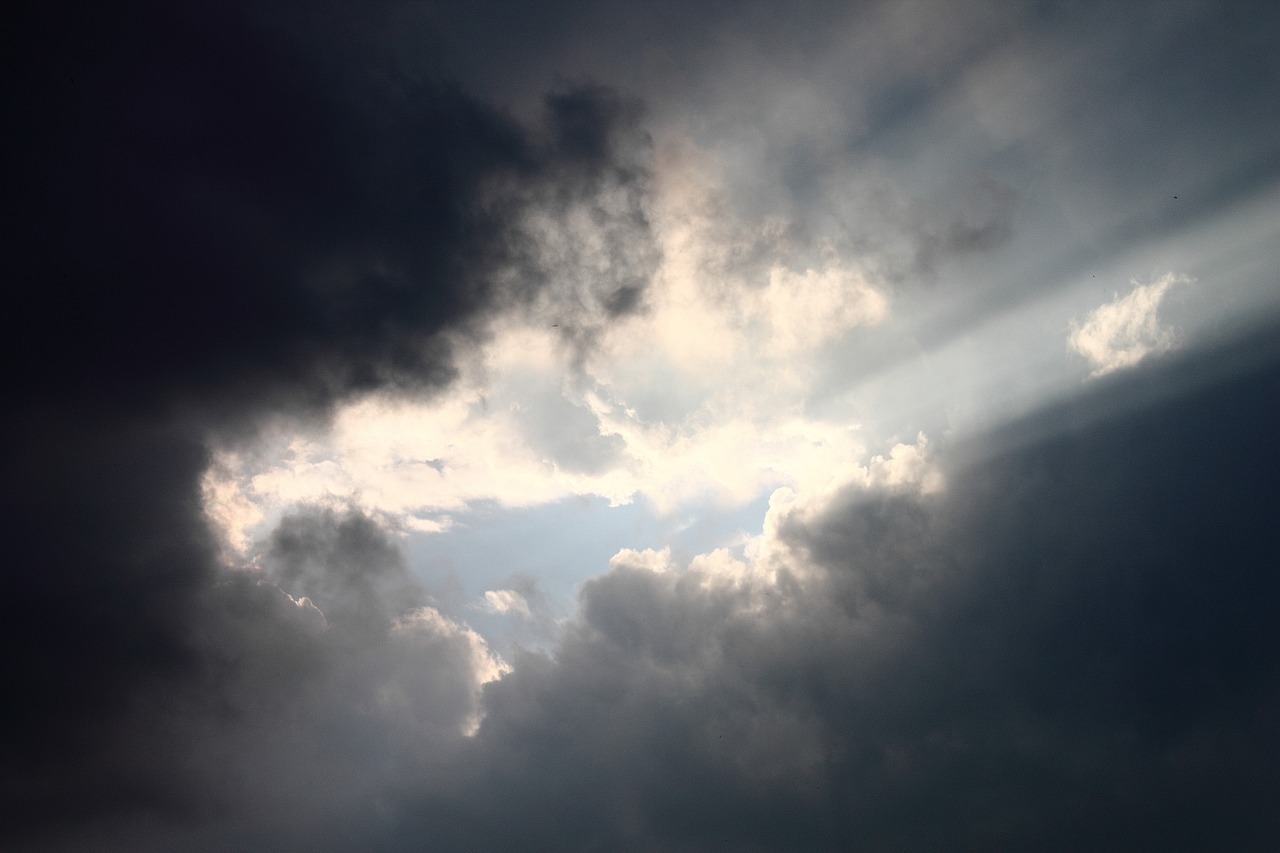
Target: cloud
column 807, row 310
column 699, row 396
column 505, row 601
column 308, row 684
column 1073, row 625
column 235, row 219
column 244, row 233
column 278, row 223
column 1127, row 329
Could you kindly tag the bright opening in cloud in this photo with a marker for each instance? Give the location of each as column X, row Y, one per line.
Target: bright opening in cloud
column 702, row 397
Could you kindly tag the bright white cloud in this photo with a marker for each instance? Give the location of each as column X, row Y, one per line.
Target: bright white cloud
column 700, row 398
column 228, row 508
column 1127, row 329
column 906, row 469
column 707, row 397
column 505, row 601
column 810, row 309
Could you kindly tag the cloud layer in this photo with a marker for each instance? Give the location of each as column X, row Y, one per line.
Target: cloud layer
column 223, row 225
column 1078, row 627
column 249, row 234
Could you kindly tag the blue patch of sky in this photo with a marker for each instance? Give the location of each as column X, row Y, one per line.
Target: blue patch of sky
column 558, row 546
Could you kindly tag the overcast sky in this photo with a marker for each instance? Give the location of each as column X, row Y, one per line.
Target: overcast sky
column 642, row 426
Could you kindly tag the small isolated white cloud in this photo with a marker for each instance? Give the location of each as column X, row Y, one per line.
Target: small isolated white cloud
column 1127, row 329
column 428, row 525
column 505, row 601
column 653, row 560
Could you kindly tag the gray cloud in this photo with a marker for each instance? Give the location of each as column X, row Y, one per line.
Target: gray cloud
column 1070, row 647
column 273, row 229
column 225, row 223
column 287, row 717
column 345, row 565
column 227, row 217
column 1081, row 626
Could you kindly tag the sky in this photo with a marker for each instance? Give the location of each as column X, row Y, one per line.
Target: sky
column 642, row 426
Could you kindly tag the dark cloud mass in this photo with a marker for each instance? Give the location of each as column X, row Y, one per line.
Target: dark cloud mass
column 227, row 214
column 219, row 222
column 233, row 219
column 1072, row 648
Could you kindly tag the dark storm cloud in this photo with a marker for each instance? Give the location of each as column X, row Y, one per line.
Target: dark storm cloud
column 222, row 220
column 586, row 257
column 288, row 723
column 214, row 214
column 1073, row 647
column 346, row 566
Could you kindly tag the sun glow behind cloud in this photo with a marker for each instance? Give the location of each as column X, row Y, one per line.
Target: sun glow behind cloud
column 759, row 340
column 701, row 397
column 716, row 393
